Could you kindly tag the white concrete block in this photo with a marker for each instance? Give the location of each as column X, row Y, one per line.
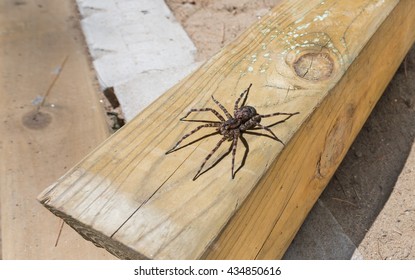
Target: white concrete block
column 145, row 87
column 137, row 47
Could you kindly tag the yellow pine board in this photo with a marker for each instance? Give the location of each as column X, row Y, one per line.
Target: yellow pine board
column 36, row 148
column 137, row 202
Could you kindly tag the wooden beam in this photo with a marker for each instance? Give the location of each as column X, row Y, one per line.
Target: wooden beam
column 307, row 56
column 50, row 118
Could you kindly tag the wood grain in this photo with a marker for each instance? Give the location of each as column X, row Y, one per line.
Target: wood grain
column 305, row 56
column 40, row 142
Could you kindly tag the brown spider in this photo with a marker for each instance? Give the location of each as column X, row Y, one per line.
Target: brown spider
column 245, row 118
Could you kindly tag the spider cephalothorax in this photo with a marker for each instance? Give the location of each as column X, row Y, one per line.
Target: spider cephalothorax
column 244, row 118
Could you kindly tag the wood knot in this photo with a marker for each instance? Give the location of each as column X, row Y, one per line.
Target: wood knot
column 36, row 120
column 314, row 66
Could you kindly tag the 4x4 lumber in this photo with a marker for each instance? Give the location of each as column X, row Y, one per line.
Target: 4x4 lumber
column 329, row 60
column 41, row 140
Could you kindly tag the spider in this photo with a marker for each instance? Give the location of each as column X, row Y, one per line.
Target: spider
column 245, row 118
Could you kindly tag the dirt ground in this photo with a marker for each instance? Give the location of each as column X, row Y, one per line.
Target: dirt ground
column 367, row 175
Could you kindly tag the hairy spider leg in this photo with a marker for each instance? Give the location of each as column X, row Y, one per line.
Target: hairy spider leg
column 190, row 133
column 234, row 144
column 279, row 113
column 258, row 117
column 219, row 116
column 270, row 131
column 209, row 156
column 222, row 107
column 236, row 107
column 288, row 116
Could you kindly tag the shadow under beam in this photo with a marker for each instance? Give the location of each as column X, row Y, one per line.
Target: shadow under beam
column 366, row 177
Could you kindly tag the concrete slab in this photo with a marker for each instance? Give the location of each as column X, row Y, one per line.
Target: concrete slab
column 137, row 47
column 143, row 88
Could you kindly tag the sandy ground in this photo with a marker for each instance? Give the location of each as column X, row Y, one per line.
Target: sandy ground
column 368, row 174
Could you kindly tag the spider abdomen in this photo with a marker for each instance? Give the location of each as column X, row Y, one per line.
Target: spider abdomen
column 245, row 113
